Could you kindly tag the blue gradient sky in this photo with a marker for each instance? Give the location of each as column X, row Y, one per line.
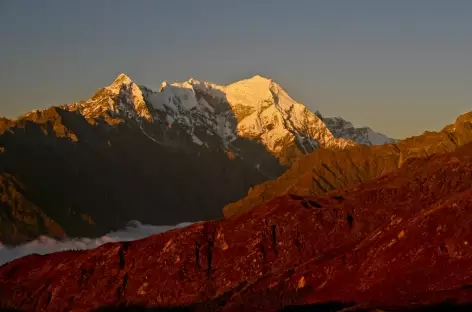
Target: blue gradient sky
column 400, row 67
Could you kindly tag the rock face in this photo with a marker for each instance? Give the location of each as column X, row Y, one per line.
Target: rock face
column 398, row 242
column 326, row 169
column 129, row 153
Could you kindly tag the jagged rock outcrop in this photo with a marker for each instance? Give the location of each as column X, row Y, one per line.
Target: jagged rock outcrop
column 325, row 169
column 398, row 242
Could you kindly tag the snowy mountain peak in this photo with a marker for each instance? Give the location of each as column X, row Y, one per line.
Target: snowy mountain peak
column 255, row 109
column 258, row 109
column 122, row 98
column 363, row 135
column 163, row 85
column 255, row 82
column 259, row 78
column 122, row 80
column 194, row 81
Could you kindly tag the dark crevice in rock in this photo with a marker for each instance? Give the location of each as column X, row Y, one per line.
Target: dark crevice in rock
column 318, row 184
column 327, row 182
column 298, row 242
column 274, row 238
column 48, row 298
column 443, row 248
column 197, row 254
column 262, row 251
column 452, row 138
column 330, row 171
column 336, row 213
column 183, row 273
column 122, row 253
column 295, row 197
column 395, row 146
column 307, row 204
column 350, row 220
column 11, row 272
column 85, row 275
column 71, row 302
column 314, row 204
column 211, row 244
column 121, row 289
column 355, row 168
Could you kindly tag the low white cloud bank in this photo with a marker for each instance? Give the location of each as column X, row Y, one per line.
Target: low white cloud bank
column 45, row 245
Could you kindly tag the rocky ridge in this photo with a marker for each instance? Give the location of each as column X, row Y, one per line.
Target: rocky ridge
column 325, row 169
column 341, row 251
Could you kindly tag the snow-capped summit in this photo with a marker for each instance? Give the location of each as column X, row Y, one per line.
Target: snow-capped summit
column 363, row 135
column 121, row 79
column 122, row 98
column 267, row 113
column 256, row 109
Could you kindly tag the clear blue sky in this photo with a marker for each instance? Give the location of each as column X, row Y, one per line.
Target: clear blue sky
column 400, row 66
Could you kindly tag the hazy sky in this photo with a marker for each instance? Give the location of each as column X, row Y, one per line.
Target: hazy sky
column 400, row 66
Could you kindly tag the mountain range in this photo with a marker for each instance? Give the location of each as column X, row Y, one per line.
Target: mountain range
column 400, row 242
column 173, row 155
column 289, row 210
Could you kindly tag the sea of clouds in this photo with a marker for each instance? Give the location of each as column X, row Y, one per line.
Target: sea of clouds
column 45, row 245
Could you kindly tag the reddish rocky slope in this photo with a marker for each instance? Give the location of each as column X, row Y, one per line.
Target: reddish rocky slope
column 325, row 170
column 401, row 241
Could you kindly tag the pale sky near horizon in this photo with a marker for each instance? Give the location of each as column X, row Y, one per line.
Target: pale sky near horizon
column 401, row 67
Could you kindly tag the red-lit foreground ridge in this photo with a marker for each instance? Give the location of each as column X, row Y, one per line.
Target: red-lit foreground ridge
column 402, row 241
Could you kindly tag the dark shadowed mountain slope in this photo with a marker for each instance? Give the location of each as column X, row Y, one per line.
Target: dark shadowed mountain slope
column 130, row 153
column 90, row 179
column 325, row 169
column 20, row 219
column 398, row 242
